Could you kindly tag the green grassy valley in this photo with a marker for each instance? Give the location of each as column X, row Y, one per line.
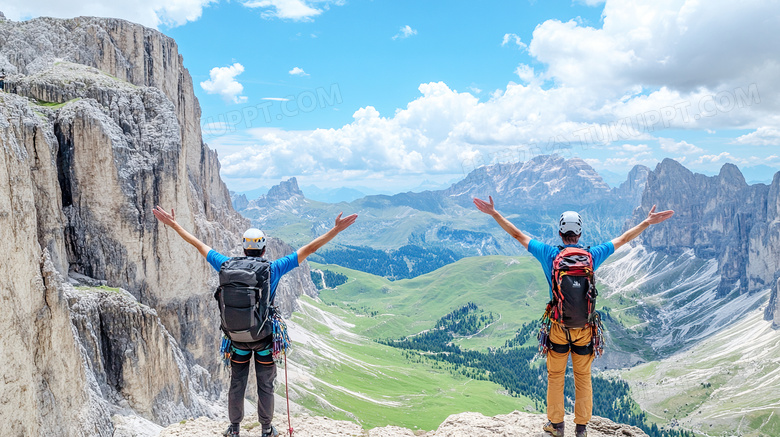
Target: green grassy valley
column 349, row 376
column 513, row 288
column 442, row 342
column 475, row 318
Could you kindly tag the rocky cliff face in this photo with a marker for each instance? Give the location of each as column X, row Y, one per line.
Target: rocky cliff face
column 772, row 311
column 285, row 190
column 765, row 256
column 719, row 217
column 631, row 190
column 239, row 201
column 98, row 124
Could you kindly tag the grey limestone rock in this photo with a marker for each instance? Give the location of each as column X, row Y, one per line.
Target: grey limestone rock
column 98, row 126
column 719, row 217
column 240, row 201
column 631, row 190
column 772, row 311
column 282, row 193
column 515, row 424
column 285, row 190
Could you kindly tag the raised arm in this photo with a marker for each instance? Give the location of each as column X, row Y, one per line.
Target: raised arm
column 490, row 209
column 341, row 224
column 652, row 219
column 170, row 220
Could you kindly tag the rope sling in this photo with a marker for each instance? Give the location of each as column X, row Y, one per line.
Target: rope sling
column 281, row 344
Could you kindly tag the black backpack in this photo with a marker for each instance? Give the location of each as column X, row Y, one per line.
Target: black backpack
column 243, row 296
column 574, row 287
column 574, row 300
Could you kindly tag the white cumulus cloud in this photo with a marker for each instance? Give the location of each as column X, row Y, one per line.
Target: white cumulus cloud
column 592, row 92
column 680, row 44
column 526, row 73
column 405, row 32
column 679, row 147
column 722, row 157
column 222, row 81
column 511, row 38
column 298, row 71
column 763, row 136
column 299, row 10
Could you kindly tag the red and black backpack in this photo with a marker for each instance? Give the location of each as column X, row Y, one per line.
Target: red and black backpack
column 573, row 304
column 574, row 287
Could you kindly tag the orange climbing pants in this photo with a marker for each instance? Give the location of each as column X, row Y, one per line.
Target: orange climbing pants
column 556, row 371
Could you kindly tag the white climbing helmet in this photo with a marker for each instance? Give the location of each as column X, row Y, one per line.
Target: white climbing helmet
column 570, row 221
column 254, row 239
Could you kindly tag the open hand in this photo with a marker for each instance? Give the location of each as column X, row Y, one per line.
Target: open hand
column 163, row 216
column 344, row 223
column 654, row 218
column 487, row 208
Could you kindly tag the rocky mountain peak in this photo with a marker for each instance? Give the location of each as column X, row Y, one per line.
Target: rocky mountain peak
column 285, row 190
column 638, row 172
column 719, row 217
column 671, row 169
column 731, row 176
column 631, row 190
column 544, row 179
column 239, row 201
column 286, row 194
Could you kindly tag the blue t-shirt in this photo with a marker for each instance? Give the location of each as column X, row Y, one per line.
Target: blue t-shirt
column 278, row 268
column 546, row 255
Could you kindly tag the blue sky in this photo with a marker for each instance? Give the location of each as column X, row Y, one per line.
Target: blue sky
column 352, row 46
column 387, row 94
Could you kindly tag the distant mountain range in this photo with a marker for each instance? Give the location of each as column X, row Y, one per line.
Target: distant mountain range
column 532, row 194
column 721, row 220
column 339, row 194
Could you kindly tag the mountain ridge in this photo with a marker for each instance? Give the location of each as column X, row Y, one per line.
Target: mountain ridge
column 526, row 192
column 98, row 124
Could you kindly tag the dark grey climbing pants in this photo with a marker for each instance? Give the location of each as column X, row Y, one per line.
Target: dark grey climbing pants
column 265, row 371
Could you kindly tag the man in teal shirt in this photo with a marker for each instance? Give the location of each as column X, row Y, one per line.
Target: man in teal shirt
column 254, row 243
column 578, row 341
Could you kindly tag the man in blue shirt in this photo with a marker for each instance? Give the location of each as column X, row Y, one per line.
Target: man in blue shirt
column 578, row 339
column 254, row 244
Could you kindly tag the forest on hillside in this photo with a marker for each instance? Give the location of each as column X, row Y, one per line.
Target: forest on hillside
column 516, row 368
column 331, row 279
column 403, row 263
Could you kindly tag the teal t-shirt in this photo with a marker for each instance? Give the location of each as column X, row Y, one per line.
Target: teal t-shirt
column 546, row 254
column 277, row 269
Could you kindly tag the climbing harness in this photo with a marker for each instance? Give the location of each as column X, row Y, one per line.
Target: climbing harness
column 572, row 305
